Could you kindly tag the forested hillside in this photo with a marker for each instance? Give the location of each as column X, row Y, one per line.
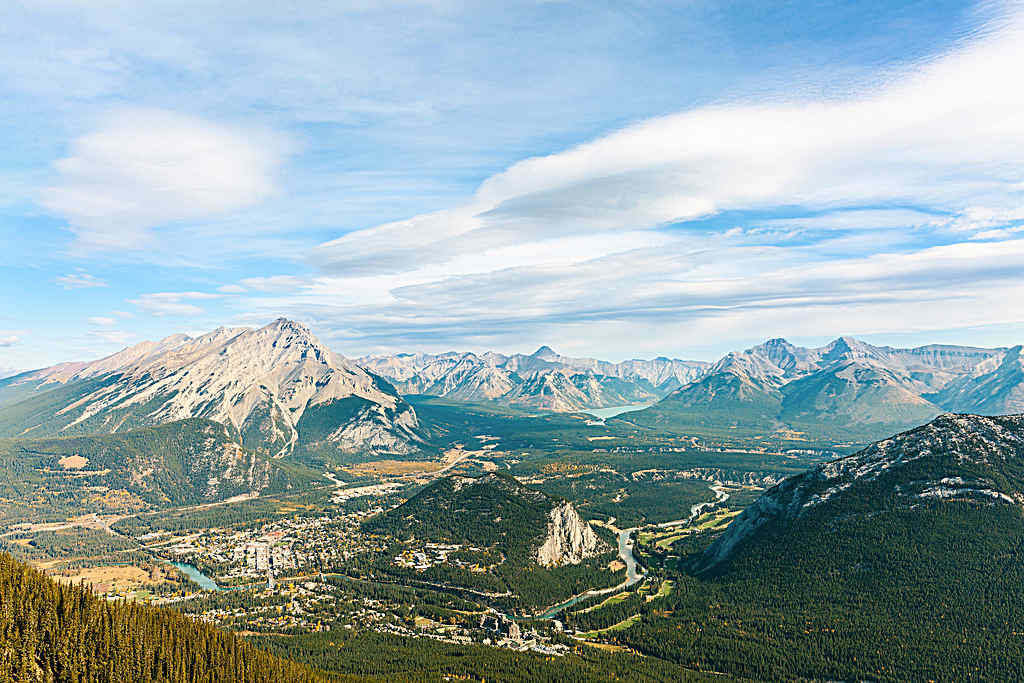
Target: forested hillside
column 902, row 562
column 501, row 528
column 52, row 633
column 184, row 462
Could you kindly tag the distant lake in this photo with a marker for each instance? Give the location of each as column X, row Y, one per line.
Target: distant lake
column 612, row 411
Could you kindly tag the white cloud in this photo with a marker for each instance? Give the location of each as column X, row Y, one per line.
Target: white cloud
column 947, row 135
column 80, row 281
column 232, row 289
column 102, row 320
column 145, row 168
column 273, row 283
column 114, row 337
column 998, row 233
column 593, row 241
column 172, row 303
column 9, row 340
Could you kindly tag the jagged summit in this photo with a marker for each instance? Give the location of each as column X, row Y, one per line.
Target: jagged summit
column 545, row 353
column 846, row 348
column 261, row 382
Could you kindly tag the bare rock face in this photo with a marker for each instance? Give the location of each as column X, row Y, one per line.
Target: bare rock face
column 259, row 382
column 569, row 540
column 228, row 468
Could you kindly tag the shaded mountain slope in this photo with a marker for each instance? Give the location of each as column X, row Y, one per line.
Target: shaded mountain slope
column 180, row 463
column 901, row 562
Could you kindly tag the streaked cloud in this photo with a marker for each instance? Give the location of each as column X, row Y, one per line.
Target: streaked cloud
column 9, row 340
column 646, row 179
column 947, row 135
column 852, row 212
column 110, row 337
column 274, row 283
column 232, row 289
column 80, row 280
column 172, row 303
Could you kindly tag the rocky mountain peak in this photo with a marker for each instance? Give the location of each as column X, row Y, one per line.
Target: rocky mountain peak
column 845, row 348
column 261, row 382
column 545, row 353
column 290, row 327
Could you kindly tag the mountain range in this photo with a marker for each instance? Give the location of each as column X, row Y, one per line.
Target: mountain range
column 543, row 379
column 846, row 389
column 277, row 388
column 280, row 390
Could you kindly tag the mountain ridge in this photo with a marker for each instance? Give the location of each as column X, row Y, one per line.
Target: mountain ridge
column 955, row 456
column 262, row 382
column 543, row 379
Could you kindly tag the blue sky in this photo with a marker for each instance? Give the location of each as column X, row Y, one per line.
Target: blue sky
column 613, row 179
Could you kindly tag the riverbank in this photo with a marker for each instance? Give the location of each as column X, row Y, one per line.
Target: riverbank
column 634, row 572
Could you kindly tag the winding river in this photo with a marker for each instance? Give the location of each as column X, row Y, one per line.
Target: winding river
column 196, row 576
column 633, row 570
column 634, row 573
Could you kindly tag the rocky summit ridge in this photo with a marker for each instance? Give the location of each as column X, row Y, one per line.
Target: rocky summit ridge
column 543, row 379
column 261, row 382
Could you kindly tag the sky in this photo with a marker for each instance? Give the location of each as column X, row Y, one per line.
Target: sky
column 616, row 179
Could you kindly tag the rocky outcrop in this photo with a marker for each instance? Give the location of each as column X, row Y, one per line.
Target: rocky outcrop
column 569, row 539
column 228, row 469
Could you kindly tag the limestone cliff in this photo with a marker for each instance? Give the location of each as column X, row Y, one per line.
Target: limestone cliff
column 569, row 540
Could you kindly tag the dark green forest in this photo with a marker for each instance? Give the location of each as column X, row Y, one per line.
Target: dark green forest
column 930, row 593
column 56, row 633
